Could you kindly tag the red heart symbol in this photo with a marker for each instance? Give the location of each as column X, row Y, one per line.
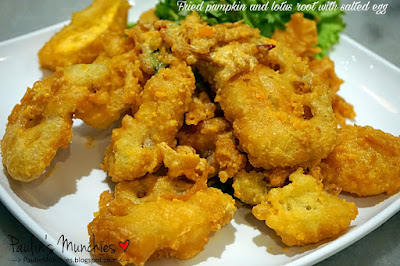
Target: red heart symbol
column 125, row 245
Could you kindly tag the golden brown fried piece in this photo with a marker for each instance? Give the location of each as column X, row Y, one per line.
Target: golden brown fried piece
column 119, row 93
column 229, row 159
column 366, row 162
column 281, row 114
column 300, row 35
column 203, row 136
column 151, row 187
column 96, row 93
column 164, row 100
column 250, row 187
column 96, row 29
column 280, row 121
column 303, row 212
column 187, row 174
column 193, row 39
column 183, row 161
column 160, row 228
column 200, row 109
column 42, row 123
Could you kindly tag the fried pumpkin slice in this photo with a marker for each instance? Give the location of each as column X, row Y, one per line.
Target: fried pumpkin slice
column 98, row 28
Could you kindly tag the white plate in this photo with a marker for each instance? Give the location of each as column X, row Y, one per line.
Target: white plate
column 63, row 203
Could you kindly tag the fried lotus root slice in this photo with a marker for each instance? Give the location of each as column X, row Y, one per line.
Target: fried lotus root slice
column 160, row 228
column 42, row 123
column 303, row 212
column 250, row 187
column 366, row 162
column 151, row 187
column 281, row 119
column 187, row 174
column 281, row 113
column 301, row 36
column 164, row 101
column 98, row 28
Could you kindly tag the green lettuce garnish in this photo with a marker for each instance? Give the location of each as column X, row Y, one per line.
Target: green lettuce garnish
column 329, row 23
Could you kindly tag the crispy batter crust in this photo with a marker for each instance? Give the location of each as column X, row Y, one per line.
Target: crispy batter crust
column 303, row 212
column 366, row 162
column 96, row 29
column 164, row 101
column 160, row 228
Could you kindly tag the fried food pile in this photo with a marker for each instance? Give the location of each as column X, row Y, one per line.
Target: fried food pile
column 202, row 106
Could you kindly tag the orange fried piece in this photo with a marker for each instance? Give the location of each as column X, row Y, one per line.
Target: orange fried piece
column 96, row 29
column 160, row 228
column 183, row 161
column 303, row 212
column 42, row 123
column 300, row 35
column 119, row 93
column 187, row 174
column 279, row 121
column 250, row 187
column 281, row 113
column 203, row 136
column 229, row 159
column 164, row 101
column 366, row 162
column 200, row 109
column 96, row 93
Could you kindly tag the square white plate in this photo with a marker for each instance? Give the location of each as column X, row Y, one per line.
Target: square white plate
column 63, row 204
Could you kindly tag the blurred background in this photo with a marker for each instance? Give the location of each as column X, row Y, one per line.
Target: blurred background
column 379, row 33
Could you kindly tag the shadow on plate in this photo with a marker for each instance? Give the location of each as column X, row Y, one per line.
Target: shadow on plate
column 364, row 202
column 83, row 155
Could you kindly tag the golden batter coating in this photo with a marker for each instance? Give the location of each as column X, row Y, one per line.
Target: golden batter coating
column 303, row 212
column 250, row 187
column 229, row 159
column 96, row 29
column 164, row 101
column 366, row 162
column 281, row 113
column 160, row 228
